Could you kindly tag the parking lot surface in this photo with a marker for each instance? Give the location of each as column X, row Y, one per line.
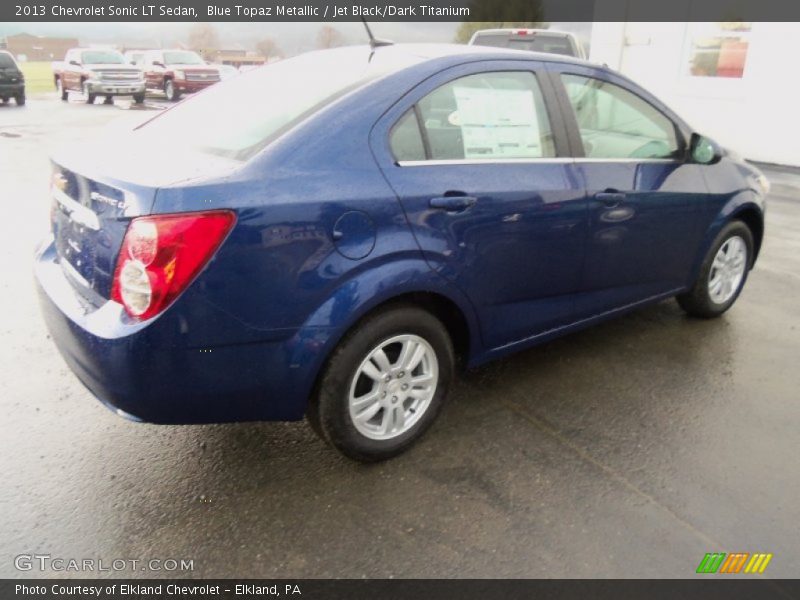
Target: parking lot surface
column 627, row 450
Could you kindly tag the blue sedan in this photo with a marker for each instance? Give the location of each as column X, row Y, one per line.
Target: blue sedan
column 333, row 235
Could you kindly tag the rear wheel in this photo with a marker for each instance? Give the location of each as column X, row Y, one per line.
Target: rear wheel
column 20, row 99
column 384, row 384
column 722, row 274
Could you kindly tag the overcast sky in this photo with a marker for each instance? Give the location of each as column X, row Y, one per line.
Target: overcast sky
column 290, row 37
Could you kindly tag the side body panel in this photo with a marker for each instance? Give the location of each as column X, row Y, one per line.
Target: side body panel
column 517, row 252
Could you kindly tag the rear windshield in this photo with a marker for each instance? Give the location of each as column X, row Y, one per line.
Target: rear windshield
column 239, row 116
column 552, row 44
column 100, row 57
column 6, row 61
column 182, row 58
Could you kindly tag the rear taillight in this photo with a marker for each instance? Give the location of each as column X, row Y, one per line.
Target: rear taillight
column 161, row 255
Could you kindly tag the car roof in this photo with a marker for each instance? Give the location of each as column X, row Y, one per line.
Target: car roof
column 446, row 54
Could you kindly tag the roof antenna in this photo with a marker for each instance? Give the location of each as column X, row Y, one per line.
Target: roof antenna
column 373, row 41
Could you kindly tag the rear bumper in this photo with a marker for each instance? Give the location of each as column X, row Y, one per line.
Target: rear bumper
column 143, row 371
column 11, row 89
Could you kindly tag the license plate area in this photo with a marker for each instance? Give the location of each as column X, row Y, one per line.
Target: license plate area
column 75, row 244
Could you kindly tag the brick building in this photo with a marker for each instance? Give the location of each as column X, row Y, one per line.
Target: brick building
column 33, row 48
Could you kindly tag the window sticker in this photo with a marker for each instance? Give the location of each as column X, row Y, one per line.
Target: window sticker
column 497, row 123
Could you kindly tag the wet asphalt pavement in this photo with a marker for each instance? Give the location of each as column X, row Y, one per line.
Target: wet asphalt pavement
column 627, row 450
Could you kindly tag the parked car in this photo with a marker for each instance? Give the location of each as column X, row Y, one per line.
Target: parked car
column 12, row 80
column 333, row 235
column 532, row 40
column 178, row 72
column 226, row 71
column 97, row 72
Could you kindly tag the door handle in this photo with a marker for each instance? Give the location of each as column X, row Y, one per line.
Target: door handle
column 610, row 199
column 453, row 203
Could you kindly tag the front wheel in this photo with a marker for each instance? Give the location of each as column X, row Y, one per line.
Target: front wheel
column 170, row 92
column 722, row 274
column 138, row 98
column 63, row 94
column 384, row 384
column 88, row 96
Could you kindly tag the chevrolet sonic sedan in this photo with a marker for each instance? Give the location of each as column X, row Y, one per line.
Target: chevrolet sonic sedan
column 331, row 235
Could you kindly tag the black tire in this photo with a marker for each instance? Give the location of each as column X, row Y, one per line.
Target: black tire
column 138, row 98
column 87, row 96
column 60, row 88
column 697, row 302
column 329, row 413
column 20, row 99
column 108, row 100
column 170, row 92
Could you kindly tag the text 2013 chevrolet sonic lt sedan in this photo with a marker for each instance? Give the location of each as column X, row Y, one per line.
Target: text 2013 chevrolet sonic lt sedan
column 327, row 235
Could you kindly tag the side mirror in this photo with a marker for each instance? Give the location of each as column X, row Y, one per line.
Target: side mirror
column 75, row 63
column 703, row 150
column 158, row 63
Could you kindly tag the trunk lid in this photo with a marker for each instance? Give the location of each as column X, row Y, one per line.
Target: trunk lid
column 96, row 192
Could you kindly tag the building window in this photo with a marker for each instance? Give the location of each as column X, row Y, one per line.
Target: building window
column 719, row 49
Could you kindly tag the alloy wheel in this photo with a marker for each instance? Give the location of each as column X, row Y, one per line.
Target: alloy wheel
column 727, row 270
column 393, row 387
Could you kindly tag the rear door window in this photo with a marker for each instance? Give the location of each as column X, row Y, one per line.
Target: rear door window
column 6, row 61
column 487, row 116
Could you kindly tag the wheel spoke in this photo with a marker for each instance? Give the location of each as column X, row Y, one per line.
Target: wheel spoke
column 399, row 417
column 369, row 412
column 366, row 399
column 409, row 346
column 380, row 358
column 420, row 379
column 387, row 424
column 716, row 284
column 416, row 358
column 371, row 371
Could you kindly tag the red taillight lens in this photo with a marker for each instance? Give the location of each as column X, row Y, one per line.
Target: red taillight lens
column 161, row 255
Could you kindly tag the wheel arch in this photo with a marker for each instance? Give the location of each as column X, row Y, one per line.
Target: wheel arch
column 413, row 284
column 744, row 207
column 754, row 219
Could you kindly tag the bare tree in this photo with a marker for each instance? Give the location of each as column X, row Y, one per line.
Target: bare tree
column 328, row 37
column 203, row 39
column 268, row 48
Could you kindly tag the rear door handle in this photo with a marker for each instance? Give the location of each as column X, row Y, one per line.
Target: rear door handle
column 610, row 199
column 453, row 203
